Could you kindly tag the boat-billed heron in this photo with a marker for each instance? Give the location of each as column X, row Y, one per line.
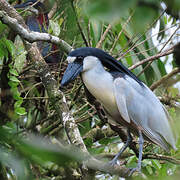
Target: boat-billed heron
column 126, row 99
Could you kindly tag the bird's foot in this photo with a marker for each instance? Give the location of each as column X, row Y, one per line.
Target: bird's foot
column 132, row 170
column 113, row 162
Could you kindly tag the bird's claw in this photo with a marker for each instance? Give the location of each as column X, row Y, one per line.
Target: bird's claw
column 132, row 170
column 112, row 163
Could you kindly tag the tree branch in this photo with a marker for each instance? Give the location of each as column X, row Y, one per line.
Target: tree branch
column 164, row 53
column 164, row 78
column 95, row 164
column 161, row 157
column 99, row 44
column 78, row 24
column 145, row 156
column 32, row 36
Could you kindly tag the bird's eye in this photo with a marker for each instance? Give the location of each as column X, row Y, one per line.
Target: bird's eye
column 30, row 3
column 79, row 58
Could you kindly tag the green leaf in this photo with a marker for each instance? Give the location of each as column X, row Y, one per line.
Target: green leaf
column 147, row 162
column 88, row 142
column 42, row 152
column 20, row 61
column 3, row 48
column 156, row 164
column 13, row 72
column 18, row 103
column 20, row 111
column 97, row 150
column 16, row 93
column 161, row 33
column 95, row 30
column 18, row 166
column 13, row 84
column 14, row 79
column 10, row 46
column 85, row 127
column 55, row 27
column 142, row 17
column 11, row 127
column 165, row 19
column 2, row 27
column 132, row 161
column 111, row 11
column 104, row 141
column 16, row 96
column 149, row 169
column 69, row 17
column 161, row 67
column 1, row 51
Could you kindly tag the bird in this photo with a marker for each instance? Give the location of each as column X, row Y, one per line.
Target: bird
column 39, row 23
column 127, row 101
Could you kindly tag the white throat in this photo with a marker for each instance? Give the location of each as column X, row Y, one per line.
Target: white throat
column 91, row 62
column 99, row 82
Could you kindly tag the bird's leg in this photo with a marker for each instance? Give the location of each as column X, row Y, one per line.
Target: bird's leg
column 141, row 142
column 129, row 140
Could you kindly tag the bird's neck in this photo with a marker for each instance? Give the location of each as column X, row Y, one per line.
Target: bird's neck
column 96, row 73
column 99, row 82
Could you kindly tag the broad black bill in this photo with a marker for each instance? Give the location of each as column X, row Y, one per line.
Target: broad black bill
column 20, row 6
column 72, row 71
column 28, row 3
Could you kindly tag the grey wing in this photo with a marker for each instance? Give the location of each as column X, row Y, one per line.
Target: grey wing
column 139, row 104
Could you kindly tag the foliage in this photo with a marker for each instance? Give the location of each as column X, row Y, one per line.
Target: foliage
column 24, row 104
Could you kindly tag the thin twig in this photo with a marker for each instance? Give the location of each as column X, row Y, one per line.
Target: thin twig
column 159, row 51
column 53, row 10
column 35, row 98
column 164, row 53
column 135, row 54
column 89, row 34
column 78, row 24
column 134, row 44
column 30, row 7
column 170, row 38
column 161, row 157
column 145, row 156
column 164, row 78
column 37, row 84
column 99, row 44
column 123, row 55
column 124, row 25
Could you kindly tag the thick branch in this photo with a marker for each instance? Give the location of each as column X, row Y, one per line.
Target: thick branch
column 32, row 36
column 91, row 163
column 105, row 167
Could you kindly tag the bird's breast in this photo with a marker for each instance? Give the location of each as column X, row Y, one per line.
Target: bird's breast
column 100, row 85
